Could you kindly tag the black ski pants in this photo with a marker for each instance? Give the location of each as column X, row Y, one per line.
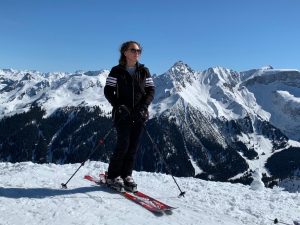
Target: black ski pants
column 122, row 161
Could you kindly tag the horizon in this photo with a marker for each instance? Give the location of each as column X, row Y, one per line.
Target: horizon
column 68, row 36
column 102, row 69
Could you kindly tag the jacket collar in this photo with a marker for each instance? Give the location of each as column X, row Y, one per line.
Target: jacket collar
column 138, row 66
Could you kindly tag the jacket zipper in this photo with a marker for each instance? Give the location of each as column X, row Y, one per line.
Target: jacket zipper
column 132, row 93
column 117, row 91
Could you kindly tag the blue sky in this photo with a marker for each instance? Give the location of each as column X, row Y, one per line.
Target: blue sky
column 70, row 35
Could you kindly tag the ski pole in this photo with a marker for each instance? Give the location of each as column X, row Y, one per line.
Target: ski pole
column 182, row 193
column 277, row 221
column 101, row 141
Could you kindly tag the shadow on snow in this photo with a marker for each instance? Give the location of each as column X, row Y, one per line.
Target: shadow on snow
column 46, row 192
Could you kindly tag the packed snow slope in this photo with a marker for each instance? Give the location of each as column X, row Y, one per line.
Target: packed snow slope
column 31, row 194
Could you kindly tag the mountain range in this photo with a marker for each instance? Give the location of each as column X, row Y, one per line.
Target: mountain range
column 217, row 124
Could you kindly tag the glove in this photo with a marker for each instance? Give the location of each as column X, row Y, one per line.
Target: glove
column 143, row 114
column 123, row 112
column 120, row 113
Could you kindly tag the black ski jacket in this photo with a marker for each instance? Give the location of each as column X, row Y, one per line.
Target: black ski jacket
column 134, row 91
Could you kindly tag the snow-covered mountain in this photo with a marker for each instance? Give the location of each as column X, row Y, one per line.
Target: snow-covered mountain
column 21, row 89
column 216, row 124
column 228, row 94
column 31, row 194
column 254, row 111
column 278, row 93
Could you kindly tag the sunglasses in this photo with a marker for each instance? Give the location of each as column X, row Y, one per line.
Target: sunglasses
column 133, row 50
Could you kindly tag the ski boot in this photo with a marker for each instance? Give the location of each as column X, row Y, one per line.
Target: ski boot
column 116, row 184
column 129, row 184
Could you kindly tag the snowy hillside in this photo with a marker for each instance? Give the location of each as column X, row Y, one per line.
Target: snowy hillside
column 278, row 93
column 31, row 194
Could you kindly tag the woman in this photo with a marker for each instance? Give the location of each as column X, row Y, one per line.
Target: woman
column 130, row 90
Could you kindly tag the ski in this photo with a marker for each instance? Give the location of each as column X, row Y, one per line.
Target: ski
column 158, row 204
column 141, row 202
column 147, row 205
column 93, row 179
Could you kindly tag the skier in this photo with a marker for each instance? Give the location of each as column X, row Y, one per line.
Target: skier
column 129, row 89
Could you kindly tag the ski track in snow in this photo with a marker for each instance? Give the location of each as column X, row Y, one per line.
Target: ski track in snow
column 31, row 194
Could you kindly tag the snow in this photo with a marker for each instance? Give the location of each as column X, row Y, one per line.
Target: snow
column 289, row 97
column 262, row 145
column 294, row 143
column 257, row 183
column 31, row 194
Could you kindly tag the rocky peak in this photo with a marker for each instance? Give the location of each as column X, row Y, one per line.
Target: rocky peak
column 180, row 68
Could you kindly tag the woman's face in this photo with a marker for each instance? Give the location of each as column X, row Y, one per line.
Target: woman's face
column 133, row 53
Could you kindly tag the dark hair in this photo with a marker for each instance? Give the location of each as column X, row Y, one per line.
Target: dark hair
column 124, row 47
